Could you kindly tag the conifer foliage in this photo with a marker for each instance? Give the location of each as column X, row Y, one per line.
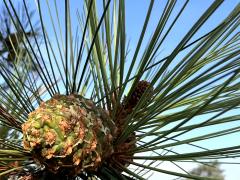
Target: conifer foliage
column 96, row 111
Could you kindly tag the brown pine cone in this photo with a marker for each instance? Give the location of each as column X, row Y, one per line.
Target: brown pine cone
column 141, row 87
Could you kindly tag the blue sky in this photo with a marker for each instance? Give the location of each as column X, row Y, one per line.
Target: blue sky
column 136, row 9
column 135, row 14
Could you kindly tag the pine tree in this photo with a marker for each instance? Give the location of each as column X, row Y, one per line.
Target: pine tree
column 13, row 56
column 97, row 112
column 12, row 37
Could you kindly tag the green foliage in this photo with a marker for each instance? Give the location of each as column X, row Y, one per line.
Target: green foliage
column 12, row 49
column 13, row 56
column 194, row 90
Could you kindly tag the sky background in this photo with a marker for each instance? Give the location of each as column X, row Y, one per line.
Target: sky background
column 135, row 15
column 136, row 10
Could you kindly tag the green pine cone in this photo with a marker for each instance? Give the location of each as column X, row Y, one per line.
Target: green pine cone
column 69, row 132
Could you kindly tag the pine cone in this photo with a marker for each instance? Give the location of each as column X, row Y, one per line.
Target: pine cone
column 125, row 109
column 68, row 131
column 141, row 87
